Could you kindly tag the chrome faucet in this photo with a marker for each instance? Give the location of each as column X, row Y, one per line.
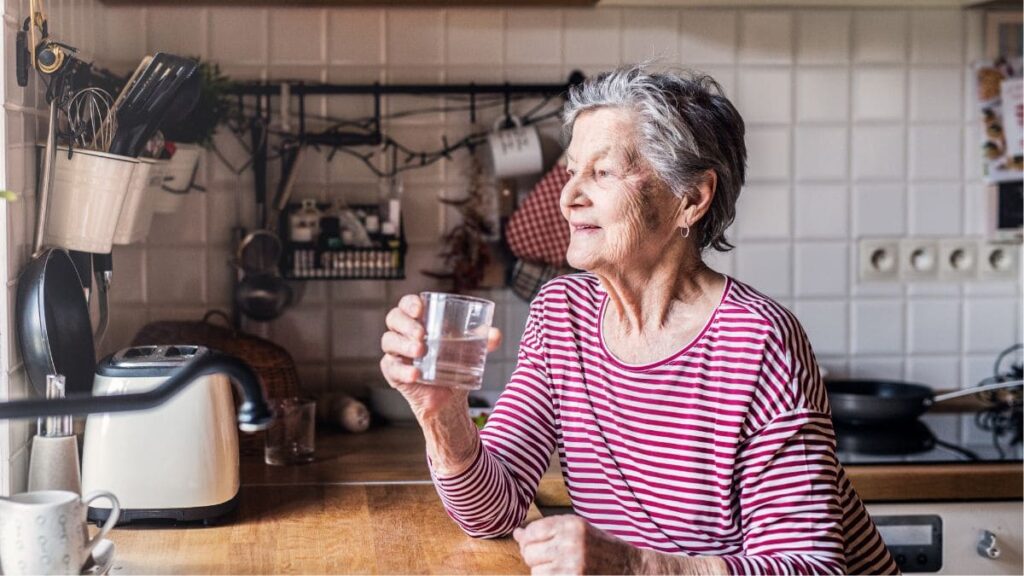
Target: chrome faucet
column 253, row 414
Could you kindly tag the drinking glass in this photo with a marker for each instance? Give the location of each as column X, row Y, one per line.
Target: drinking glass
column 292, row 437
column 457, row 328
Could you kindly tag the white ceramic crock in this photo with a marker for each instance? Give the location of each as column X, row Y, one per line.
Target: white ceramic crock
column 181, row 168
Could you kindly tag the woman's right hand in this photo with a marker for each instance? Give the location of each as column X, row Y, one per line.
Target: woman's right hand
column 405, row 341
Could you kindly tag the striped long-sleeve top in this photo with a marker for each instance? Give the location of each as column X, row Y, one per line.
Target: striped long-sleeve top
column 725, row 448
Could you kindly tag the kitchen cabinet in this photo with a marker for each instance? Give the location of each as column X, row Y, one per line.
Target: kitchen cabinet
column 376, row 3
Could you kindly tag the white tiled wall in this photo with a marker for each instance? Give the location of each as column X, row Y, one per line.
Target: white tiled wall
column 859, row 125
column 858, row 122
column 22, row 123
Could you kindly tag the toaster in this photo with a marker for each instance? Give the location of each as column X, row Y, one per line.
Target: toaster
column 178, row 461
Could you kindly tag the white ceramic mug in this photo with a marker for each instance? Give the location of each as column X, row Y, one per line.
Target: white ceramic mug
column 45, row 532
column 515, row 151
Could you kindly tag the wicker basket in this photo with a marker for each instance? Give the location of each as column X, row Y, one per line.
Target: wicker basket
column 271, row 363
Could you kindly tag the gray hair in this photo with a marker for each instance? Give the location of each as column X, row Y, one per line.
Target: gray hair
column 686, row 127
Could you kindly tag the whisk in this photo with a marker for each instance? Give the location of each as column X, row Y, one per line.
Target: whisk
column 91, row 119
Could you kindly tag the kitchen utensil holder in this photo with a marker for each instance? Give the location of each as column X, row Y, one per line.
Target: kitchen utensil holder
column 384, row 260
column 179, row 175
column 89, row 189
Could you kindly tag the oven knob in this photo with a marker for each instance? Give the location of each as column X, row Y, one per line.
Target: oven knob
column 987, row 546
column 901, row 559
column 922, row 559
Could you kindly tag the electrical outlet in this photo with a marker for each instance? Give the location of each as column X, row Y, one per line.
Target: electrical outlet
column 919, row 259
column 878, row 259
column 958, row 258
column 998, row 261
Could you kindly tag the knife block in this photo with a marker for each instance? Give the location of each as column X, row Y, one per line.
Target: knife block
column 53, row 464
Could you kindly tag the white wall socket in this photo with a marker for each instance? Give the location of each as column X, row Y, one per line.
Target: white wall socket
column 919, row 259
column 958, row 259
column 998, row 261
column 878, row 259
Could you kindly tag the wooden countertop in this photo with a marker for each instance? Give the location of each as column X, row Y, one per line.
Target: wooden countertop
column 303, row 529
column 366, row 505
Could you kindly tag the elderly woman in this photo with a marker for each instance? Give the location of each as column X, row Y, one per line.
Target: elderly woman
column 687, row 409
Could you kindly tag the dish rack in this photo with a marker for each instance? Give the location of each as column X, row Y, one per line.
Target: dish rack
column 326, row 258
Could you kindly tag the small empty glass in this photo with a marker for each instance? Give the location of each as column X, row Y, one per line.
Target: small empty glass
column 457, row 328
column 292, row 438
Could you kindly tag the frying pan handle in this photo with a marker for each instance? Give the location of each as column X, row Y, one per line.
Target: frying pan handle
column 103, row 267
column 978, row 390
column 254, row 413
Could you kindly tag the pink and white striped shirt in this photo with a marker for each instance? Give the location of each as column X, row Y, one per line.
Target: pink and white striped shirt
column 725, row 448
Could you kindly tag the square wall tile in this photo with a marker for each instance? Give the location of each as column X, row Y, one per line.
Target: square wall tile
column 879, row 210
column 766, row 37
column 878, row 153
column 826, row 325
column 592, row 36
column 766, row 267
column 975, row 369
column 297, row 36
column 238, row 35
column 765, row 94
column 824, row 37
column 175, row 275
column 936, row 36
column 177, row 30
column 934, row 326
column 976, row 210
column 935, row 152
column 648, row 34
column 186, row 226
column 936, row 94
column 935, row 209
column 533, row 37
column 355, row 37
column 129, row 267
column 475, row 36
column 821, row 153
column 724, row 262
column 707, row 37
column 762, row 212
column 303, row 332
column 822, row 211
column 822, row 94
column 220, row 276
column 124, row 39
column 422, row 214
column 821, row 269
column 768, row 152
column 878, row 93
column 877, row 327
column 356, row 333
column 415, row 37
column 990, row 324
column 936, row 372
column 880, row 36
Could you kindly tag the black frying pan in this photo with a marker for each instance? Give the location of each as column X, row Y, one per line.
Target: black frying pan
column 53, row 323
column 888, row 401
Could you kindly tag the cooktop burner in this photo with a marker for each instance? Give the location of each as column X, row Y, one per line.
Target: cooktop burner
column 941, row 437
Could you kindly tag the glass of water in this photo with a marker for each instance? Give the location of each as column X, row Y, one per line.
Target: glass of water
column 292, row 437
column 457, row 328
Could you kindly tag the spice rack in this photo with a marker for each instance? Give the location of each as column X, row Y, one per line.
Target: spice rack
column 328, row 257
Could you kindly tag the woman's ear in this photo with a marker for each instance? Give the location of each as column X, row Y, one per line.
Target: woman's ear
column 697, row 200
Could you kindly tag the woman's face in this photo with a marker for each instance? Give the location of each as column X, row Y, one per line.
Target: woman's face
column 620, row 215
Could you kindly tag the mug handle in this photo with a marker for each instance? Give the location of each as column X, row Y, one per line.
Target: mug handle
column 115, row 512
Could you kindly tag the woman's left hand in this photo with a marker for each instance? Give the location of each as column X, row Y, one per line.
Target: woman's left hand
column 570, row 545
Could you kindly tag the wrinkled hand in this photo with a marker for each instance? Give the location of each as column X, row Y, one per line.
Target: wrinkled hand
column 570, row 545
column 405, row 341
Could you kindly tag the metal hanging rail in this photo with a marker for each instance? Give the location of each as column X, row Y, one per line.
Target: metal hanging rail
column 298, row 88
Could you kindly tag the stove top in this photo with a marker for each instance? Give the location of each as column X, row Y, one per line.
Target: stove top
column 935, row 438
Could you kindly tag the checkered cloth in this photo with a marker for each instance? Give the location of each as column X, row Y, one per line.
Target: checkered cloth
column 536, row 230
column 529, row 277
